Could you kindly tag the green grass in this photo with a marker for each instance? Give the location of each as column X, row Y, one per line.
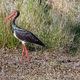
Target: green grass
column 52, row 24
column 6, row 37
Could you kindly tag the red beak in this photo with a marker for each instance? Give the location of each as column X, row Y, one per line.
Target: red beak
column 10, row 16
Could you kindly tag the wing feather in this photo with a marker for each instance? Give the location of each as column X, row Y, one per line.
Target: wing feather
column 27, row 36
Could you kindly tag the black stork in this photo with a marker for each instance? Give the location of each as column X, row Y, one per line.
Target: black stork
column 21, row 34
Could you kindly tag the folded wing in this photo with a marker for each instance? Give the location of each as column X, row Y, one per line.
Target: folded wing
column 27, row 36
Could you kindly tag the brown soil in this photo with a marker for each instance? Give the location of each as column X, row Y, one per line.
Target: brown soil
column 50, row 65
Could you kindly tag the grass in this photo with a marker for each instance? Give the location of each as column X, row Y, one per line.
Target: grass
column 52, row 22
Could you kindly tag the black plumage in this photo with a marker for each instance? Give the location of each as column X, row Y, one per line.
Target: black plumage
column 23, row 34
column 27, row 36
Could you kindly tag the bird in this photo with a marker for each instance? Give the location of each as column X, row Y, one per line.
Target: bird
column 21, row 34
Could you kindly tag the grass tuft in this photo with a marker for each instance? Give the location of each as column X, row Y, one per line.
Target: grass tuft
column 51, row 20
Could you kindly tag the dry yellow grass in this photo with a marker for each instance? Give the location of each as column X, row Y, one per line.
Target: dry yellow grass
column 62, row 5
column 52, row 20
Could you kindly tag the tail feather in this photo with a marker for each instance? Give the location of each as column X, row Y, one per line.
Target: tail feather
column 40, row 43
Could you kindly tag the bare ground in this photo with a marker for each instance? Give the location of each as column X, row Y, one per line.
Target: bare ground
column 50, row 65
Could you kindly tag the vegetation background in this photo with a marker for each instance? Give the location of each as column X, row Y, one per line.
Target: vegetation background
column 55, row 22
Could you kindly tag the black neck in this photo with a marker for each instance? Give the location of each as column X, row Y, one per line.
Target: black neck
column 14, row 19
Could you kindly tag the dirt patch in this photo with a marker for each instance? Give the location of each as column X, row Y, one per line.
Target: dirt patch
column 54, row 65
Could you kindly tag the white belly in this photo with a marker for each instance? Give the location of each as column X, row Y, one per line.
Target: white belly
column 23, row 42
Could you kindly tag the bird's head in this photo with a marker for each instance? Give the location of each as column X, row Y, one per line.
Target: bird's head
column 14, row 13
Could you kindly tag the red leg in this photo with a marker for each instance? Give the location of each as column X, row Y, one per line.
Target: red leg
column 23, row 49
column 26, row 51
